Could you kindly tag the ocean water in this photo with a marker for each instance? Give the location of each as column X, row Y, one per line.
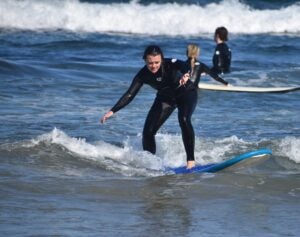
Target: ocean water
column 63, row 64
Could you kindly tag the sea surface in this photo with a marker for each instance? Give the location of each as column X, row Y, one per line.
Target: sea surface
column 63, row 64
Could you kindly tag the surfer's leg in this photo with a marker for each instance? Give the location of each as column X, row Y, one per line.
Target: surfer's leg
column 186, row 106
column 158, row 114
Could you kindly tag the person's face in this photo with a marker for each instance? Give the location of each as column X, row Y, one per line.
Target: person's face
column 153, row 63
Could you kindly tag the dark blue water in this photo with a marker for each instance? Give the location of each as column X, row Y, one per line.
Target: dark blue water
column 64, row 174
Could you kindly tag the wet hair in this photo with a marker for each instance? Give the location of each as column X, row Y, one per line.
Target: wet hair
column 153, row 50
column 192, row 52
column 222, row 32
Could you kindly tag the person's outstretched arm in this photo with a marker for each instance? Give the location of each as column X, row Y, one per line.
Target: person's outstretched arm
column 126, row 98
column 213, row 74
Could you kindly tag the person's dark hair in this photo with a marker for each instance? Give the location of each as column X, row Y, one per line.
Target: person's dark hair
column 153, row 50
column 222, row 32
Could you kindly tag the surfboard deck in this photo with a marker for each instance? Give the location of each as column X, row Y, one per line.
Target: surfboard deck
column 245, row 160
column 207, row 86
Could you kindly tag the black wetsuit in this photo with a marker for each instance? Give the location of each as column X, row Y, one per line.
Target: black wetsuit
column 222, row 59
column 200, row 68
column 169, row 96
column 186, row 97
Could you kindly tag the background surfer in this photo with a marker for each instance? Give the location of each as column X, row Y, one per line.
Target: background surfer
column 222, row 55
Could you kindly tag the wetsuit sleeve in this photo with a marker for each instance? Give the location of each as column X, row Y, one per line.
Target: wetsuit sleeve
column 213, row 74
column 218, row 61
column 129, row 95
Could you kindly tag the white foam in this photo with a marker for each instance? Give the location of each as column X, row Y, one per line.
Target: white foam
column 154, row 19
column 170, row 150
column 131, row 160
column 290, row 147
column 124, row 160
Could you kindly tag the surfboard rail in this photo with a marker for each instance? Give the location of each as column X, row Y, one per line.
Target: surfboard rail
column 231, row 88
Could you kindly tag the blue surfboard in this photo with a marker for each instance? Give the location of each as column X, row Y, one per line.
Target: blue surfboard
column 244, row 160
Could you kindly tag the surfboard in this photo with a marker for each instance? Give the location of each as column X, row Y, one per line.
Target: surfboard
column 245, row 160
column 207, row 86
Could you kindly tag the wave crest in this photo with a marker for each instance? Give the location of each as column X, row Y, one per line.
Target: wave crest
column 152, row 19
column 130, row 160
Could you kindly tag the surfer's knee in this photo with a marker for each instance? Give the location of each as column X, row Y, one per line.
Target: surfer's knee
column 184, row 121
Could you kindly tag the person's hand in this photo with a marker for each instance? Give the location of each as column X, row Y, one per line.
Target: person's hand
column 229, row 85
column 184, row 79
column 106, row 116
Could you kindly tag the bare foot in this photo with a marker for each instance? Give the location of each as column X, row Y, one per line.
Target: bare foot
column 190, row 164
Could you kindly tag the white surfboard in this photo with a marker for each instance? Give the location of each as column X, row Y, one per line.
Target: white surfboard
column 220, row 87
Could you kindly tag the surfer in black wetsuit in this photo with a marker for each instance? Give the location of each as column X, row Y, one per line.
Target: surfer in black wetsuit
column 222, row 55
column 197, row 68
column 187, row 95
column 171, row 80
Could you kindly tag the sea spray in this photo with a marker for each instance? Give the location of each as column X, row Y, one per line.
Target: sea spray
column 154, row 19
